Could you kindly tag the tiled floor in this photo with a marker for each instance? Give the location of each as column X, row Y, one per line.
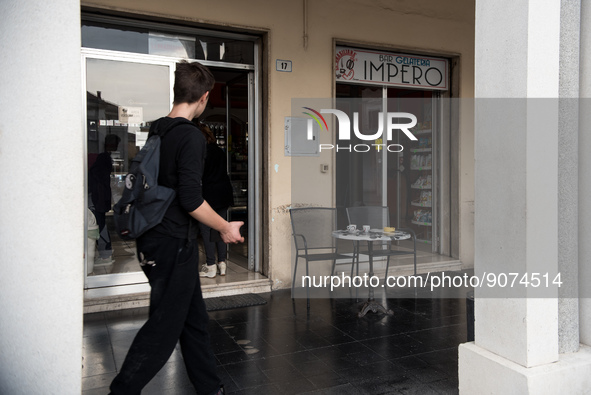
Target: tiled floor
column 281, row 348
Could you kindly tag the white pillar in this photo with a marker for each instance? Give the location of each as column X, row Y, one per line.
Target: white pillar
column 584, row 179
column 41, row 198
column 516, row 164
column 517, row 200
column 568, row 143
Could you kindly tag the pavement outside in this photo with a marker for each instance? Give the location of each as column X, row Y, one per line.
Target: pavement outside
column 281, row 348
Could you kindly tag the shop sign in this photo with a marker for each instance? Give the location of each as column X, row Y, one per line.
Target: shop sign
column 386, row 68
column 131, row 115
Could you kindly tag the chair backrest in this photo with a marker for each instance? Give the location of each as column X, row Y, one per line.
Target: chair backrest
column 316, row 224
column 377, row 217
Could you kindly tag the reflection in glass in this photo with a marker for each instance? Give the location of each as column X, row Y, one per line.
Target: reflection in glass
column 133, row 39
column 359, row 177
column 412, row 178
column 410, row 174
column 167, row 45
column 122, row 99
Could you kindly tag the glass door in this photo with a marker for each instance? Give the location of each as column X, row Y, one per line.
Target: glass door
column 405, row 181
column 229, row 117
column 123, row 96
column 412, row 174
column 359, row 172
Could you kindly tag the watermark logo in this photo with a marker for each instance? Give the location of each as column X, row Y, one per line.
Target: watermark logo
column 315, row 116
column 392, row 120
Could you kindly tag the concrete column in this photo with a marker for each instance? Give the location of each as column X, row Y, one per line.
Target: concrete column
column 584, row 179
column 568, row 142
column 518, row 198
column 516, row 171
column 41, row 198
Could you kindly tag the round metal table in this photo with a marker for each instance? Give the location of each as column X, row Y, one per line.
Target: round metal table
column 370, row 237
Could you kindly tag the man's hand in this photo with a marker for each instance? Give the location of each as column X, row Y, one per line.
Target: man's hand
column 231, row 234
column 229, row 231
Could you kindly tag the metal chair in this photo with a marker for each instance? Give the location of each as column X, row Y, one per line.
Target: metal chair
column 312, row 234
column 378, row 217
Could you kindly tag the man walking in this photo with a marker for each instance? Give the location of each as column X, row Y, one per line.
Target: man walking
column 168, row 252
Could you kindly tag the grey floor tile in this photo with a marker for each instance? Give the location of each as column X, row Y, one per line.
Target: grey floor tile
column 281, row 348
column 98, row 381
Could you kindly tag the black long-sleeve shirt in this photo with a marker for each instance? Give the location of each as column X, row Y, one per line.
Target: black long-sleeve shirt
column 217, row 188
column 182, row 155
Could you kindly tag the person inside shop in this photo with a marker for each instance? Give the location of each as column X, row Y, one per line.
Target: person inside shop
column 217, row 191
column 168, row 252
column 99, row 189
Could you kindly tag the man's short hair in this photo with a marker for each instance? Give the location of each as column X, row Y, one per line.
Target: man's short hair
column 191, row 81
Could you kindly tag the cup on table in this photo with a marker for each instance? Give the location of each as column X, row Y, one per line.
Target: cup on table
column 366, row 228
column 352, row 228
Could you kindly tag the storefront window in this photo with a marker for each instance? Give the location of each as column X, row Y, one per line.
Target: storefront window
column 406, row 179
column 129, row 70
column 154, row 41
column 402, row 177
column 120, row 107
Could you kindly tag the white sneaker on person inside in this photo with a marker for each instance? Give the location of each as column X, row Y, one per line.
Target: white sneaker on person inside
column 207, row 271
column 222, row 268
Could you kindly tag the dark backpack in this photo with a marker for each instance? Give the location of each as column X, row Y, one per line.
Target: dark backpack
column 143, row 202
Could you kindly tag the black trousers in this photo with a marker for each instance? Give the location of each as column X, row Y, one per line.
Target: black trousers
column 177, row 313
column 211, row 247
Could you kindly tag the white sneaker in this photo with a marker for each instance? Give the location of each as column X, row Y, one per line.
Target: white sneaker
column 222, row 268
column 207, row 271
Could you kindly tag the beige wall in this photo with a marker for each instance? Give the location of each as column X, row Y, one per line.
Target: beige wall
column 424, row 26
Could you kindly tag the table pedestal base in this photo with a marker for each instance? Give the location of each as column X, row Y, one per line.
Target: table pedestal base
column 375, row 307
